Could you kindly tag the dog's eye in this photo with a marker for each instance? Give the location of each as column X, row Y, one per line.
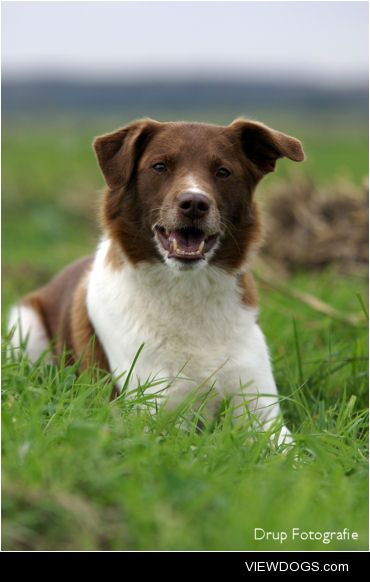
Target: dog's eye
column 159, row 167
column 223, row 173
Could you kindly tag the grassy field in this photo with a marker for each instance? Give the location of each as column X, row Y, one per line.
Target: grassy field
column 81, row 473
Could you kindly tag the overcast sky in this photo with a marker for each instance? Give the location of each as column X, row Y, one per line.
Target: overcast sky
column 323, row 40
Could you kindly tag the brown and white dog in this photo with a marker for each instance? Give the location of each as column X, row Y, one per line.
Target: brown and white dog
column 180, row 226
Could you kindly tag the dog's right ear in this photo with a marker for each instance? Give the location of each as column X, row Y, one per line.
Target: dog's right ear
column 118, row 152
column 264, row 146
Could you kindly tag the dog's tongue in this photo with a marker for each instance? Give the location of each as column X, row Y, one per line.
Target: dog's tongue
column 187, row 243
column 187, row 239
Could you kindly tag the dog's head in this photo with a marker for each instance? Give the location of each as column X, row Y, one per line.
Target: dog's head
column 182, row 193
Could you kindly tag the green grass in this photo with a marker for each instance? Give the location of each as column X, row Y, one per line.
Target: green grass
column 81, row 472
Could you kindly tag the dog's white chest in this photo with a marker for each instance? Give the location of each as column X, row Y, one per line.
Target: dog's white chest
column 192, row 324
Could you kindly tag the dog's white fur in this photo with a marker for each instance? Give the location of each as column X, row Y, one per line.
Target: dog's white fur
column 29, row 331
column 196, row 331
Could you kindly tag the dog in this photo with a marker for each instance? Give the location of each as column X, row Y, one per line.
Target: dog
column 181, row 226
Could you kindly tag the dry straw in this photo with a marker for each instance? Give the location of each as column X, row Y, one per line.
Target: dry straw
column 309, row 228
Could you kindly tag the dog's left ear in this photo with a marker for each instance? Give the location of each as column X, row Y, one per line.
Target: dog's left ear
column 118, row 152
column 263, row 145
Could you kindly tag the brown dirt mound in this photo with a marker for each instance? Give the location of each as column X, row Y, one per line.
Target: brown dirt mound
column 311, row 227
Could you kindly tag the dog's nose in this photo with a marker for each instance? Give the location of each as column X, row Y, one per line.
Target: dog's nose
column 193, row 204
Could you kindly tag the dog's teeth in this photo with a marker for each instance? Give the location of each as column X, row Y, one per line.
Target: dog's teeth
column 201, row 247
column 174, row 243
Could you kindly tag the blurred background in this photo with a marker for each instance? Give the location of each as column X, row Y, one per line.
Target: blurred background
column 73, row 70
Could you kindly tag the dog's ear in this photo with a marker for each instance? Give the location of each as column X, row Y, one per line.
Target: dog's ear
column 263, row 145
column 118, row 152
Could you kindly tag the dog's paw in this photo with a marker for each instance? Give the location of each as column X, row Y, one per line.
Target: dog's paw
column 283, row 440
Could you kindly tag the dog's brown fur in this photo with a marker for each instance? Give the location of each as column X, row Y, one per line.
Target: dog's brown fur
column 61, row 307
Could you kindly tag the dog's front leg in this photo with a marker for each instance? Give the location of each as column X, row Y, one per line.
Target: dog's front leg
column 254, row 391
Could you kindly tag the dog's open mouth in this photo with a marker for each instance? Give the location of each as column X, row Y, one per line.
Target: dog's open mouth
column 188, row 244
